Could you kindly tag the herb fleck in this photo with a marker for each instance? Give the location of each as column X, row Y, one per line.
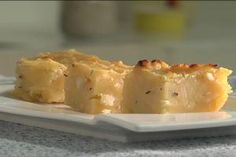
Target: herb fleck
column 175, row 94
column 90, row 88
column 20, row 76
column 95, row 97
column 91, row 72
column 147, row 92
column 65, row 75
column 88, row 79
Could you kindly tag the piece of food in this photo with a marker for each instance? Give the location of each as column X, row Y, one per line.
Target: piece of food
column 93, row 87
column 40, row 80
column 155, row 87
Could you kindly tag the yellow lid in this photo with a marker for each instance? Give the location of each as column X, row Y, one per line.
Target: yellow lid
column 165, row 21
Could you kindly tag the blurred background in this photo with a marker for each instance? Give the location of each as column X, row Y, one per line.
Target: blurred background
column 172, row 30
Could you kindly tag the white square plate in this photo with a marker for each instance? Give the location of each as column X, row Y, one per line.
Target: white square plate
column 118, row 127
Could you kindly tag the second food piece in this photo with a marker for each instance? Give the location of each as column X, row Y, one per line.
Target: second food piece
column 93, row 87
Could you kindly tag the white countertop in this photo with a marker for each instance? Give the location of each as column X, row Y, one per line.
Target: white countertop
column 18, row 140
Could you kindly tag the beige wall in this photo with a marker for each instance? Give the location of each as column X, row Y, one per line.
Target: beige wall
column 41, row 15
column 44, row 15
column 26, row 28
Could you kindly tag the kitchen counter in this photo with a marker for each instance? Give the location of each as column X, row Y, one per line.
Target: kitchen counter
column 19, row 140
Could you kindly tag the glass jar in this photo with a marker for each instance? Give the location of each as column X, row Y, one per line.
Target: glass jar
column 89, row 18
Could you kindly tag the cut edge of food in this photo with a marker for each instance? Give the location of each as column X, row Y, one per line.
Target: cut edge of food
column 101, row 86
column 40, row 80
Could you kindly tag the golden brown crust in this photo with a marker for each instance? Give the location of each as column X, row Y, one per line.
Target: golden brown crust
column 156, row 64
column 116, row 66
column 143, row 63
column 192, row 67
column 176, row 68
column 187, row 66
column 68, row 57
